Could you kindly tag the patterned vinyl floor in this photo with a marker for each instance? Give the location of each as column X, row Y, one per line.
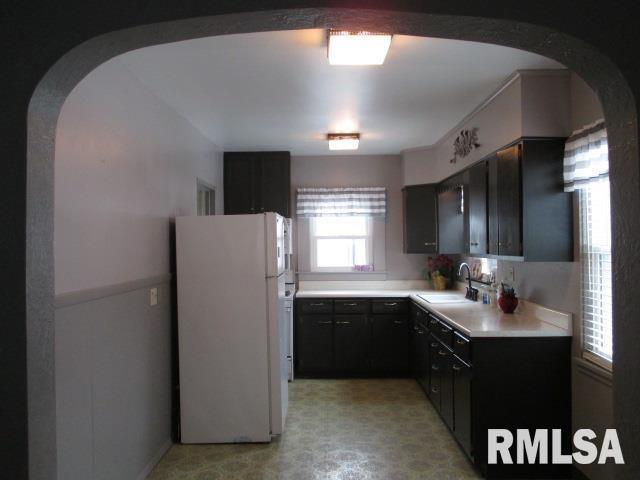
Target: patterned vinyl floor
column 382, row 429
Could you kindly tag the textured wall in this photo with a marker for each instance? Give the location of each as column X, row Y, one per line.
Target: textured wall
column 125, row 165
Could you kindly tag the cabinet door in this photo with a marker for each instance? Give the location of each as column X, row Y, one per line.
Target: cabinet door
column 238, row 183
column 492, row 206
column 477, row 208
column 509, row 202
column 274, row 185
column 420, row 219
column 442, row 382
column 451, row 224
column 446, row 386
column 435, row 372
column 422, row 359
column 352, row 336
column 314, row 352
column 389, row 344
column 462, row 403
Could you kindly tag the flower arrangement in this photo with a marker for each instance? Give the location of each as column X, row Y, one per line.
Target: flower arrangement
column 439, row 270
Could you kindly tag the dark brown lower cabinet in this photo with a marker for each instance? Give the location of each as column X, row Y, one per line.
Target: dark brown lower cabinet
column 461, row 373
column 350, row 344
column 389, row 343
column 315, row 332
column 352, row 337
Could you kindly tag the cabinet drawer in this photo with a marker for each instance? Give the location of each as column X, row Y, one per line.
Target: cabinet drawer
column 351, row 306
column 462, row 347
column 444, row 333
column 432, row 323
column 390, row 305
column 316, row 305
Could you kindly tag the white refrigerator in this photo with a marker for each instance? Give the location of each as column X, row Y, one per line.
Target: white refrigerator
column 232, row 328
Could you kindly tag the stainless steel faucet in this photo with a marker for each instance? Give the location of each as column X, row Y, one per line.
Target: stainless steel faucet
column 472, row 293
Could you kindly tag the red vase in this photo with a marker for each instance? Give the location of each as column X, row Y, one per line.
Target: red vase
column 507, row 304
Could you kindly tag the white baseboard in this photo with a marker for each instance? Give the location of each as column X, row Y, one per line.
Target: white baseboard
column 154, row 460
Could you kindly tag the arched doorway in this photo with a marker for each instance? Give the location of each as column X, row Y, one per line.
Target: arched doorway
column 52, row 90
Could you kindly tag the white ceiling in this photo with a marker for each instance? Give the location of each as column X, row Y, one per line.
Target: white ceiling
column 277, row 91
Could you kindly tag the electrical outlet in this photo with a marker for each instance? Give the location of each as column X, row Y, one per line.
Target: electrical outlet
column 153, row 296
column 510, row 276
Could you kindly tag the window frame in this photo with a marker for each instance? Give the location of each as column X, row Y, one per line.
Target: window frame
column 313, row 241
column 587, row 353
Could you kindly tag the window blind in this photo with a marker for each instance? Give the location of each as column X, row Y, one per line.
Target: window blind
column 586, row 171
column 595, row 241
column 336, row 202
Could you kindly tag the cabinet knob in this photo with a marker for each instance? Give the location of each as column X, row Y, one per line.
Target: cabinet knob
column 434, row 389
column 460, row 341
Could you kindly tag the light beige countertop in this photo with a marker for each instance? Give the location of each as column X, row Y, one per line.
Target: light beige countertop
column 471, row 318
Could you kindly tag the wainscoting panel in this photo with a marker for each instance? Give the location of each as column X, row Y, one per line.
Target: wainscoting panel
column 113, row 382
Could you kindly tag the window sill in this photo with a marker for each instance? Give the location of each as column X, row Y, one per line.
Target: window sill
column 376, row 275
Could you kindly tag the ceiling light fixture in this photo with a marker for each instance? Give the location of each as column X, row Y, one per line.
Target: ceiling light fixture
column 357, row 48
column 343, row 141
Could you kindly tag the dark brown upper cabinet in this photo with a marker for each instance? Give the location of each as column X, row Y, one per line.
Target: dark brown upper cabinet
column 256, row 182
column 420, row 219
column 505, row 217
column 476, row 209
column 451, row 214
column 528, row 213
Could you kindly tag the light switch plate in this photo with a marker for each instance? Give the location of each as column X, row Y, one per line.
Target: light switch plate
column 153, row 296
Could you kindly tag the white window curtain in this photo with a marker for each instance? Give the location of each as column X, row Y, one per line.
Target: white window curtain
column 586, row 158
column 586, row 171
column 339, row 202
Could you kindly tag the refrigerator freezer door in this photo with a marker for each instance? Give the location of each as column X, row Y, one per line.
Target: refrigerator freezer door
column 278, row 346
column 223, row 329
column 274, row 228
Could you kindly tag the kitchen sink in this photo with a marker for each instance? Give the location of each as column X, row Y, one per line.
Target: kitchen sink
column 444, row 298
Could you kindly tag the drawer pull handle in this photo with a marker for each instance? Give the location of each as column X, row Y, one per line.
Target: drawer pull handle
column 434, row 344
column 433, row 323
column 344, row 322
column 350, row 304
column 456, row 368
column 420, row 332
column 442, row 353
column 325, row 322
column 460, row 342
column 391, row 304
column 444, row 330
column 398, row 322
column 430, row 244
column 474, row 244
column 317, row 304
column 435, row 368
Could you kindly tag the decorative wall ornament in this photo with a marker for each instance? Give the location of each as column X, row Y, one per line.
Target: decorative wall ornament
column 464, row 143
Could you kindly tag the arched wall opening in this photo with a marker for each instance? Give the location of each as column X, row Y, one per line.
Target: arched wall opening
column 52, row 91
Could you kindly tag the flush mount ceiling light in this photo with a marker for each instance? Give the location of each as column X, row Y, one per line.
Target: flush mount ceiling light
column 357, row 48
column 343, row 141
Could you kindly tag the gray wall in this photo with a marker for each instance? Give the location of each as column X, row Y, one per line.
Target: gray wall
column 359, row 171
column 125, row 165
